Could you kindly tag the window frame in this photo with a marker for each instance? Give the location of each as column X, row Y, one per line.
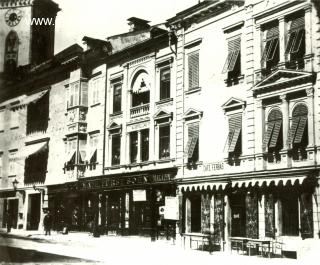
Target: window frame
column 162, row 142
column 162, row 87
column 117, row 107
column 193, row 77
column 115, row 151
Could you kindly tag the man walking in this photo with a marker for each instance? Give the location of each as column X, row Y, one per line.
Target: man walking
column 47, row 221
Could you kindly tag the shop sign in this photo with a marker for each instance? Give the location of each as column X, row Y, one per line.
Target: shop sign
column 139, row 195
column 171, row 210
column 124, row 181
column 213, row 166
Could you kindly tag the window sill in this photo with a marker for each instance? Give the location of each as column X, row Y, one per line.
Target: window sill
column 76, row 106
column 164, row 101
column 113, row 167
column 14, row 128
column 95, row 104
column 193, row 90
column 116, row 114
column 234, row 81
column 164, row 160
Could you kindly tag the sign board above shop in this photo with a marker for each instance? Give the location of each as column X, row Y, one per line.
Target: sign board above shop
column 139, row 195
column 118, row 181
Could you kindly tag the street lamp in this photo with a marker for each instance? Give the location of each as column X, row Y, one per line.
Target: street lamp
column 15, row 184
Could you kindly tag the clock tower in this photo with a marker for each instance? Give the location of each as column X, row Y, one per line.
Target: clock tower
column 27, row 29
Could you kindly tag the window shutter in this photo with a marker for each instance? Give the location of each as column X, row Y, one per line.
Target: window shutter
column 272, row 32
column 234, row 47
column 293, row 129
column 267, row 136
column 235, row 125
column 300, row 130
column 275, row 134
column 193, row 137
column 297, row 23
column 193, row 63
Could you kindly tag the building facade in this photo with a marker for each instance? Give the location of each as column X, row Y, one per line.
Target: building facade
column 213, row 113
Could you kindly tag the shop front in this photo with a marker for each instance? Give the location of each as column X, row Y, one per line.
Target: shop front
column 126, row 204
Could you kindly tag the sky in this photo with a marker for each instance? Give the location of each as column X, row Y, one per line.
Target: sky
column 103, row 18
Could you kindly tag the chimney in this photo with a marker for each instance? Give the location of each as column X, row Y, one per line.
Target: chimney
column 138, row 24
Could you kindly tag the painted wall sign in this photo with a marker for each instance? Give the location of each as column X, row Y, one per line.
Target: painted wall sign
column 213, row 166
column 138, row 126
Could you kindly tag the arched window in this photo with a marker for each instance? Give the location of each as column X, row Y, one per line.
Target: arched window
column 140, row 88
column 298, row 134
column 273, row 134
column 11, row 52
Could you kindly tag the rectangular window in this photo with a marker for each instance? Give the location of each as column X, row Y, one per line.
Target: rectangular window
column 93, row 146
column 165, row 83
column 192, row 148
column 12, row 163
column 117, row 88
column 270, row 54
column 193, row 70
column 116, row 144
column 95, row 86
column 164, row 142
column 232, row 63
column 2, row 120
column 296, row 39
column 74, row 94
column 145, row 145
column 133, row 147
column 14, row 119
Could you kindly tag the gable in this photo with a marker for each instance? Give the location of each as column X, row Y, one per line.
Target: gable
column 161, row 114
column 192, row 113
column 233, row 103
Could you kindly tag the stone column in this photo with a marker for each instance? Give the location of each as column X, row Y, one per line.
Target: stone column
column 310, row 102
column 257, row 54
column 259, row 125
column 285, row 120
column 227, row 221
column 282, row 43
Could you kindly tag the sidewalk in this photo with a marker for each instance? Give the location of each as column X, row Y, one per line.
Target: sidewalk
column 135, row 250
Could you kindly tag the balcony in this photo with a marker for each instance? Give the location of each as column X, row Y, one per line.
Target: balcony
column 139, row 111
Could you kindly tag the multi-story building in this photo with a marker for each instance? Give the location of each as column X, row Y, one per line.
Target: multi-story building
column 247, row 90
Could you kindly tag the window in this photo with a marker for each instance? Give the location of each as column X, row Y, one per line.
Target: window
column 93, row 146
column 71, row 154
column 73, row 95
column 164, row 142
column 164, row 83
column 133, row 147
column 295, row 46
column 298, row 134
column 273, row 134
column 193, row 70
column 95, row 86
column 195, row 205
column 14, row 119
column 11, row 52
column 117, row 88
column 234, row 138
column 2, row 127
column 12, row 163
column 232, row 65
column 192, row 148
column 116, row 144
column 145, row 145
column 270, row 54
column 38, row 114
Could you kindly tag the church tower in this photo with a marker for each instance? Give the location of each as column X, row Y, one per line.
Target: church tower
column 27, row 29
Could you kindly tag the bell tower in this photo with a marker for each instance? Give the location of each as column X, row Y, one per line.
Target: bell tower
column 27, row 29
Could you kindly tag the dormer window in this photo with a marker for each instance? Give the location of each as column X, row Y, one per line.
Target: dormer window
column 295, row 45
column 270, row 55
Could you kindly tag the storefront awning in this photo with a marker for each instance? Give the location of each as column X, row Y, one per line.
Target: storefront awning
column 268, row 181
column 203, row 186
column 33, row 149
column 33, row 98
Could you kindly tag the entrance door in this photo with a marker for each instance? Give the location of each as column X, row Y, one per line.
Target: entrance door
column 34, row 211
column 238, row 215
column 114, row 214
column 13, row 210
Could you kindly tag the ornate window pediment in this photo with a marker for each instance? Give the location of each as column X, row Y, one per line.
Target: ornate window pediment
column 283, row 79
column 192, row 114
column 114, row 128
column 162, row 116
column 233, row 104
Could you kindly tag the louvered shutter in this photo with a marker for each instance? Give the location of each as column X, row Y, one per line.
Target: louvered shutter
column 84, row 94
column 296, row 35
column 300, row 130
column 193, row 70
column 272, row 32
column 293, row 129
column 267, row 136
column 272, row 41
column 275, row 134
column 234, row 47
column 235, row 125
column 193, row 137
column 273, row 49
column 297, row 23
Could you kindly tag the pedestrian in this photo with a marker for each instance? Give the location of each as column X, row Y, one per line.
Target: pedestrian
column 9, row 221
column 47, row 221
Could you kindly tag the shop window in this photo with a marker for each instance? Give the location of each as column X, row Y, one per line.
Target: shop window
column 298, row 134
column 306, row 215
column 11, row 53
column 35, row 168
column 238, row 215
column 164, row 142
column 234, row 139
column 193, row 70
column 252, row 224
column 38, row 115
column 145, row 145
column 165, row 77
column 219, row 217
column 232, row 65
column 117, row 90
column 270, row 54
column 133, row 147
column 192, row 148
column 115, row 149
column 273, row 140
column 290, row 214
column 295, row 45
column 14, row 119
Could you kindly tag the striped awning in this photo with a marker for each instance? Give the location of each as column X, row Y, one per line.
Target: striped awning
column 203, row 186
column 267, row 181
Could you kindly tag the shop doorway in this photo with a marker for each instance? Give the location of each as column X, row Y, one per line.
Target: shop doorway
column 238, row 215
column 290, row 214
column 13, row 210
column 114, row 214
column 141, row 214
column 34, row 207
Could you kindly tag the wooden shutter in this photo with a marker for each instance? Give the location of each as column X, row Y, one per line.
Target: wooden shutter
column 205, row 213
column 235, row 125
column 300, row 130
column 193, row 137
column 193, row 70
column 234, row 47
column 275, row 134
column 219, row 216
column 272, row 32
column 293, row 129
column 297, row 23
column 267, row 135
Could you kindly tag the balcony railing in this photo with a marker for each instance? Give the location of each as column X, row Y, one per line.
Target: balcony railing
column 139, row 111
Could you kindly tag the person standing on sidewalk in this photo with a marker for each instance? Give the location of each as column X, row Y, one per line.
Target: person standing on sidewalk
column 47, row 221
